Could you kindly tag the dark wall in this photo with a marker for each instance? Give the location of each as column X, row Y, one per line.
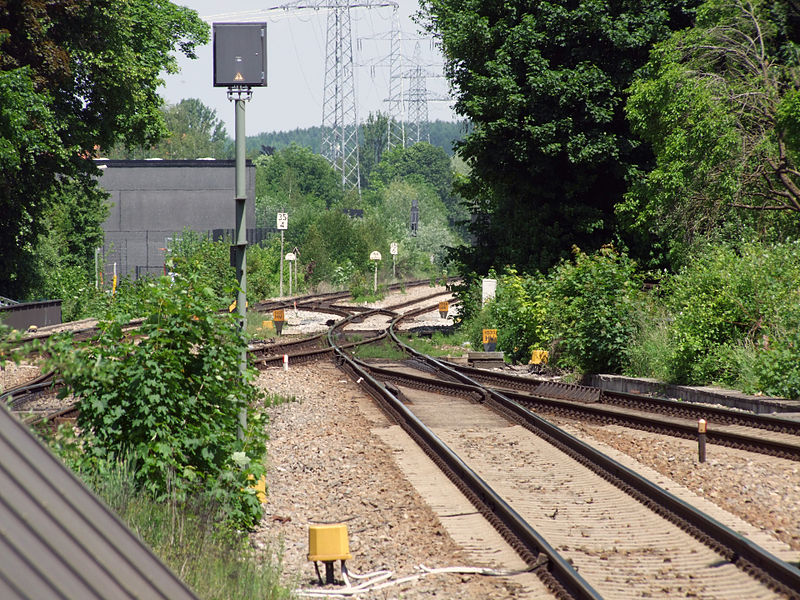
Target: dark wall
column 153, row 201
column 23, row 315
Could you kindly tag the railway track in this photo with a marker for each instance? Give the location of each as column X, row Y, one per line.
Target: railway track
column 773, row 436
column 624, row 550
column 536, row 555
column 25, row 399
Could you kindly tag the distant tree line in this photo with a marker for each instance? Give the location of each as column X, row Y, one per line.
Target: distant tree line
column 443, row 134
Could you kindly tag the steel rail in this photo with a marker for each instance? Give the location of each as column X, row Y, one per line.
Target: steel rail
column 666, row 406
column 737, row 549
column 555, row 571
column 657, row 424
column 602, row 413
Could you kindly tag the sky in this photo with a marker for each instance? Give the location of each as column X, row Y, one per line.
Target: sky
column 295, row 64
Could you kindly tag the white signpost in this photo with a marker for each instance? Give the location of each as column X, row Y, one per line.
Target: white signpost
column 282, row 223
column 393, row 252
column 376, row 256
column 283, row 220
column 291, row 258
column 488, row 289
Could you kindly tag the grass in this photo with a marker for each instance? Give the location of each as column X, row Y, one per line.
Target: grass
column 439, row 344
column 259, row 326
column 383, row 349
column 216, row 563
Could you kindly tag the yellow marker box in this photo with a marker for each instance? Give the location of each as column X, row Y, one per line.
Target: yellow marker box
column 539, row 357
column 328, row 543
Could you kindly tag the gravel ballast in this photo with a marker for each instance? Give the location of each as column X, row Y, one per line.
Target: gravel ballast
column 326, row 466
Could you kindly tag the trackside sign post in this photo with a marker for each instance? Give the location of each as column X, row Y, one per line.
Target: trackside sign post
column 489, row 340
column 376, row 256
column 393, row 252
column 240, row 63
column 282, row 224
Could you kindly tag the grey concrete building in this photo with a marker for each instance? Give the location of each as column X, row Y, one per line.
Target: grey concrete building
column 153, row 201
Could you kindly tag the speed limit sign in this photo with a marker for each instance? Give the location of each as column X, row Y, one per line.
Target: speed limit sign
column 283, row 220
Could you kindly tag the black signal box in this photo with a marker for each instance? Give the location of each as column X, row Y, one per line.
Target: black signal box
column 240, row 54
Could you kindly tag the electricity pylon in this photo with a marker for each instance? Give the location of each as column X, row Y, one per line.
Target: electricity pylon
column 418, row 101
column 418, row 98
column 395, row 134
column 339, row 113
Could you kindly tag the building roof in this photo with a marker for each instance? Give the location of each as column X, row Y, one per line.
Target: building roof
column 58, row 540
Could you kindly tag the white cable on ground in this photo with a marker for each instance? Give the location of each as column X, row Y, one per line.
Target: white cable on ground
column 377, row 580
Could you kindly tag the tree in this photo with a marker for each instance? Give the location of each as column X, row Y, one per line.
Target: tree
column 194, row 132
column 544, row 84
column 24, row 149
column 720, row 105
column 421, row 162
column 374, row 137
column 75, row 75
column 295, row 175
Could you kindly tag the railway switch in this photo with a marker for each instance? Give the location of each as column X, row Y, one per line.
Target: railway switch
column 328, row 543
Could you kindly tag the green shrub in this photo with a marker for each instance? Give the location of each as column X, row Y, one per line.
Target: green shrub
column 519, row 313
column 168, row 399
column 591, row 304
column 727, row 297
column 778, row 367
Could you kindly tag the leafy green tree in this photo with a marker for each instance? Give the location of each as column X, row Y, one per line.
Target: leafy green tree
column 720, row 105
column 23, row 150
column 194, row 132
column 73, row 228
column 75, row 75
column 421, row 162
column 544, row 85
column 434, row 235
column 296, row 176
column 374, row 137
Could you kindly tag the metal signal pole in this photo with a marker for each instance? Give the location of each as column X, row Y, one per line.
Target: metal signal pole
column 240, row 62
column 240, row 232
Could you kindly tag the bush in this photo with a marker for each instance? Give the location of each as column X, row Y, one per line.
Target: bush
column 591, row 305
column 729, row 297
column 519, row 313
column 169, row 400
column 583, row 312
column 778, row 367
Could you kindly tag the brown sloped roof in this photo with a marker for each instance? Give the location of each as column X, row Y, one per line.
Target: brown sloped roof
column 57, row 540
